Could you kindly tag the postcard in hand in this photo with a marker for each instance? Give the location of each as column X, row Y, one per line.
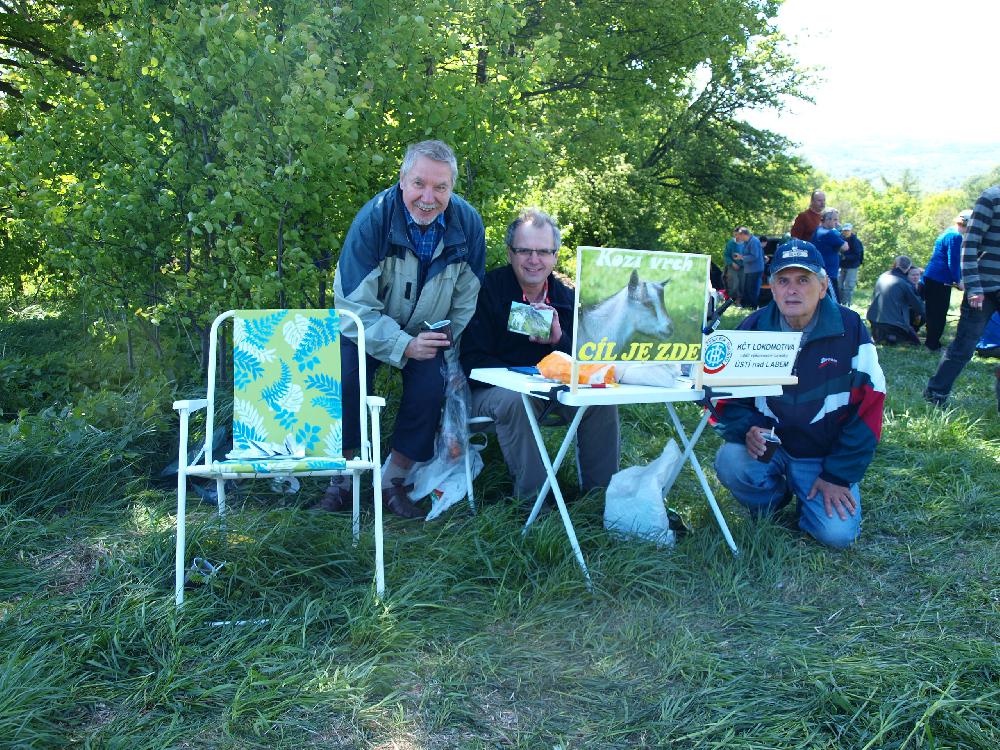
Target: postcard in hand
column 529, row 320
column 639, row 305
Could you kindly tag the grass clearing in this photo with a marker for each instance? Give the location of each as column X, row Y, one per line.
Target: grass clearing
column 488, row 639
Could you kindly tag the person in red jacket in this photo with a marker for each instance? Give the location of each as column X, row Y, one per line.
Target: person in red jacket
column 807, row 222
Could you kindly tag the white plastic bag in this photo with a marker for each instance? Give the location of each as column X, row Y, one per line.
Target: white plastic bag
column 443, row 477
column 634, row 504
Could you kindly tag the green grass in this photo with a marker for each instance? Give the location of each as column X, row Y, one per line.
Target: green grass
column 488, row 639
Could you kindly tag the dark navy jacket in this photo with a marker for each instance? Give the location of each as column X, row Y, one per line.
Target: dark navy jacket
column 854, row 255
column 488, row 343
column 835, row 411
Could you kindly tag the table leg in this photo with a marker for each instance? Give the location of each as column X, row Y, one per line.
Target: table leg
column 563, row 449
column 550, row 470
column 690, row 456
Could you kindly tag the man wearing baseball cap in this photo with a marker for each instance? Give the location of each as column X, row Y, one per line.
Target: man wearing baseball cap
column 850, row 263
column 829, row 423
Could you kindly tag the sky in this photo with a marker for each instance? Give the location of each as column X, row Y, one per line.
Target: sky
column 918, row 70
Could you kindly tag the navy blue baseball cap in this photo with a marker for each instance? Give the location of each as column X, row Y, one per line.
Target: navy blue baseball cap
column 797, row 254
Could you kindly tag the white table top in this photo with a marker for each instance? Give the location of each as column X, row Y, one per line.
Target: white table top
column 610, row 395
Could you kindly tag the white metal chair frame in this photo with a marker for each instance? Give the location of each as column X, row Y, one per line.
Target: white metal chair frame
column 369, row 458
column 477, row 426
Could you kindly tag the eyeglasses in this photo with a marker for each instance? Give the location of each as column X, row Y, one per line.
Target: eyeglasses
column 524, row 252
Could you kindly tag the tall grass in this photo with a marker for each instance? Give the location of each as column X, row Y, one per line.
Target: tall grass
column 57, row 462
column 490, row 639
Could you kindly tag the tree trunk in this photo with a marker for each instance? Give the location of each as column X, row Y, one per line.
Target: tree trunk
column 281, row 250
column 130, row 354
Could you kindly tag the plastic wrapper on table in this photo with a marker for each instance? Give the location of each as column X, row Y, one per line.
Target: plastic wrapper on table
column 558, row 366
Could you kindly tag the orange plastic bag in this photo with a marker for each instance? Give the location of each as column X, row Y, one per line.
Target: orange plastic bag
column 559, row 366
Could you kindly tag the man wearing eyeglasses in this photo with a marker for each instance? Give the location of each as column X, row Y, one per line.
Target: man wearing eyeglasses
column 532, row 250
column 415, row 252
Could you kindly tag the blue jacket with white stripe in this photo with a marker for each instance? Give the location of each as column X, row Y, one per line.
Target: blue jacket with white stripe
column 835, row 411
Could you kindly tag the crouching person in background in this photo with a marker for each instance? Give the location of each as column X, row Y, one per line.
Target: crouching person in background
column 828, row 424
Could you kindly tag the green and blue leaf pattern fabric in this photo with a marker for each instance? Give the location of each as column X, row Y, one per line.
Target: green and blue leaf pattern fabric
column 286, row 380
column 279, row 465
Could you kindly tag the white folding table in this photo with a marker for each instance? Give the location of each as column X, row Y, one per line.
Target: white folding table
column 533, row 386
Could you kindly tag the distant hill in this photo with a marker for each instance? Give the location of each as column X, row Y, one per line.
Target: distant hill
column 937, row 166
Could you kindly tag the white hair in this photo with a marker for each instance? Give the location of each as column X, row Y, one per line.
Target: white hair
column 435, row 150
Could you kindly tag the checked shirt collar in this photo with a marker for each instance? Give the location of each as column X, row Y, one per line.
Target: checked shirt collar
column 425, row 242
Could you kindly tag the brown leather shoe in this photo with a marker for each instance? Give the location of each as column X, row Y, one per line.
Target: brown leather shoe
column 336, row 499
column 396, row 500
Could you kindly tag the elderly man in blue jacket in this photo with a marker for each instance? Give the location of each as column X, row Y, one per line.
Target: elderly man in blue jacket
column 415, row 252
column 829, row 423
column 753, row 268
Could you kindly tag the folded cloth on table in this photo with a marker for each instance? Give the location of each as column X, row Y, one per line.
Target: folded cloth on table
column 663, row 374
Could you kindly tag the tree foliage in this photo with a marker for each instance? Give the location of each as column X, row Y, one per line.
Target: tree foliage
column 662, row 100
column 975, row 186
column 35, row 35
column 893, row 219
column 201, row 156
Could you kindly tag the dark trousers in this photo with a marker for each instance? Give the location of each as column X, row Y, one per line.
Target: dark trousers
column 937, row 299
column 751, row 288
column 734, row 282
column 963, row 346
column 886, row 334
column 419, row 409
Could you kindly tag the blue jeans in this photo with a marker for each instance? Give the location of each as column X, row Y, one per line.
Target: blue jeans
column 970, row 328
column 761, row 489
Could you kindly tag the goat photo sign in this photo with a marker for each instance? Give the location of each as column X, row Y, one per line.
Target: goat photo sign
column 639, row 305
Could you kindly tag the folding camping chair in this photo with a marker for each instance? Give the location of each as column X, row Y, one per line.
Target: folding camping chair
column 287, row 413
